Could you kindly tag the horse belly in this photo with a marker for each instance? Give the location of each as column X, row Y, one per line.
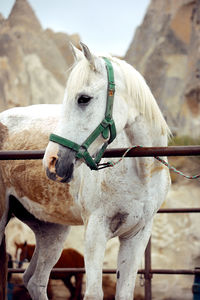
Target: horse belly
column 54, row 213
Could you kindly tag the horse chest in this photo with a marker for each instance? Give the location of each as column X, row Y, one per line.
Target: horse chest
column 45, row 200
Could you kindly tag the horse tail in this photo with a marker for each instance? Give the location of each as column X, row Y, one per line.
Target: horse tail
column 3, row 268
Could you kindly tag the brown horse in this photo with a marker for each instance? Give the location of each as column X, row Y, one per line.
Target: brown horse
column 69, row 258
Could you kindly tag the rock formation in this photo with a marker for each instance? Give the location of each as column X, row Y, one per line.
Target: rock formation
column 166, row 50
column 31, row 59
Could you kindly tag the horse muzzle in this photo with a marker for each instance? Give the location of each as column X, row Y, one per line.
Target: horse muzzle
column 60, row 166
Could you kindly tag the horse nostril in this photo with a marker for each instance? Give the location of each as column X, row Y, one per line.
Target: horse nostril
column 52, row 164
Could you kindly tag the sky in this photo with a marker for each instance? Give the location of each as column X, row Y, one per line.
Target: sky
column 104, row 25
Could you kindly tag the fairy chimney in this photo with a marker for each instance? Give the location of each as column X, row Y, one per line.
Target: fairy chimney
column 33, row 61
column 165, row 49
column 23, row 17
column 190, row 109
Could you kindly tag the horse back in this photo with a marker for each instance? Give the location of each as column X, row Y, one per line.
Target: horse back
column 70, row 258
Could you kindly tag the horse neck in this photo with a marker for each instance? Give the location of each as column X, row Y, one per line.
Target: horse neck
column 144, row 133
column 141, row 133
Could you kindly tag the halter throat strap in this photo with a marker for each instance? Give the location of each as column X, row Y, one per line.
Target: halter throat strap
column 106, row 128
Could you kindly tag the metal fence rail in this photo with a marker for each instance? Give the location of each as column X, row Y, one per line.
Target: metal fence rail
column 115, row 152
column 135, row 152
column 112, row 271
column 149, row 271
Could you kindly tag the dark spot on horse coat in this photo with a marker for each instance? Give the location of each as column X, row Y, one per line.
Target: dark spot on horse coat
column 118, row 274
column 123, row 261
column 117, row 220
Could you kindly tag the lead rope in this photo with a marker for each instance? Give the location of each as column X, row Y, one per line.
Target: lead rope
column 173, row 169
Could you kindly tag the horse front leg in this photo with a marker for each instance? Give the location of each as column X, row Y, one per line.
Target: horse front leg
column 49, row 244
column 95, row 243
column 130, row 255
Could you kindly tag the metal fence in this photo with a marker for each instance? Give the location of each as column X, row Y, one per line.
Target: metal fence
column 135, row 152
column 148, row 271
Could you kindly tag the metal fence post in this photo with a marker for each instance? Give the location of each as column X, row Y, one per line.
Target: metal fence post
column 147, row 272
column 196, row 286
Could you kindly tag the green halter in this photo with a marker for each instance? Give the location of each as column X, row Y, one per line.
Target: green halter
column 105, row 127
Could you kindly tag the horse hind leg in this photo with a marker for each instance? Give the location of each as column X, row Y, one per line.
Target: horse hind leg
column 74, row 290
column 5, row 216
column 49, row 243
column 3, row 268
column 22, row 214
column 3, row 260
column 78, row 286
column 49, row 290
column 69, row 285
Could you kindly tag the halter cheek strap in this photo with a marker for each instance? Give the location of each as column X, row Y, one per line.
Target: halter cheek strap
column 106, row 128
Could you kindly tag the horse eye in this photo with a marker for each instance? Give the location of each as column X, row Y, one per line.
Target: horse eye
column 84, row 99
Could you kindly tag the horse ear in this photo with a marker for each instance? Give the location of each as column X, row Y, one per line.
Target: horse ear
column 77, row 54
column 88, row 55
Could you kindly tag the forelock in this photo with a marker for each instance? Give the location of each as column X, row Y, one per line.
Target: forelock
column 78, row 78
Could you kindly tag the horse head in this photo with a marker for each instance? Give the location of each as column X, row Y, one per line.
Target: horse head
column 92, row 115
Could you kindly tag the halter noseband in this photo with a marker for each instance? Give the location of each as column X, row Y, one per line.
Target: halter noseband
column 104, row 128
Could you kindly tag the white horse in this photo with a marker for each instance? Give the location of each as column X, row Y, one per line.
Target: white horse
column 116, row 201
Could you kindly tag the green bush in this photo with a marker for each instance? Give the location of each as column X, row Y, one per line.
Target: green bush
column 184, row 140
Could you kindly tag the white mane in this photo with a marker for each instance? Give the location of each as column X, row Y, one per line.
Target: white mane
column 139, row 94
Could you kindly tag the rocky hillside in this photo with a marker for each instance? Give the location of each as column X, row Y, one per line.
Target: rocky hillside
column 33, row 61
column 165, row 49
